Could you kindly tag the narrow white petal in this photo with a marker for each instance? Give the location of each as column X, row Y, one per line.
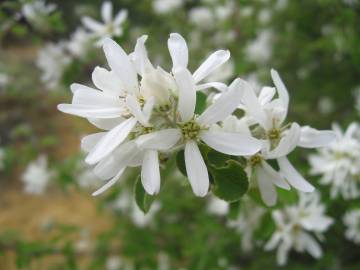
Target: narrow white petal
column 280, row 86
column 106, row 11
column 159, row 140
column 109, row 184
column 85, row 96
column 150, row 172
column 187, row 93
column 312, row 138
column 237, row 144
column 196, row 169
column 254, row 108
column 287, row 143
column 140, row 57
column 88, row 142
column 311, row 245
column 106, row 124
column 110, row 141
column 91, row 24
column 217, row 85
column 120, row 17
column 120, row 62
column 214, row 61
column 274, row 176
column 273, row 242
column 148, row 108
column 107, row 81
column 135, row 109
column 224, row 105
column 90, row 111
column 293, row 176
column 178, row 51
column 266, row 94
column 266, row 187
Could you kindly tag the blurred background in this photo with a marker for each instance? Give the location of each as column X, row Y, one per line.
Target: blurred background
column 48, row 218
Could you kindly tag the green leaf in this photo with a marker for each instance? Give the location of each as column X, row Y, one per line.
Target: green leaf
column 200, row 102
column 234, row 210
column 143, row 200
column 230, row 182
column 217, row 159
column 180, row 162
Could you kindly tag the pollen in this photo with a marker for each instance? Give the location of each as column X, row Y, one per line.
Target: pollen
column 255, row 160
column 274, row 134
column 190, row 130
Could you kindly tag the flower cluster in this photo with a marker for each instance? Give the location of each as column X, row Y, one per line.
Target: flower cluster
column 148, row 114
column 339, row 163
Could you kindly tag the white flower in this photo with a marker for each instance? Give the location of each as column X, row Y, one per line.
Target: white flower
column 294, row 227
column 217, row 206
column 4, row 80
column 111, row 26
column 326, row 105
column 339, row 163
column 351, row 220
column 52, row 61
column 259, row 50
column 86, row 178
column 78, row 43
column 166, row 6
column 37, row 11
column 223, row 73
column 202, row 17
column 278, row 139
column 36, row 176
column 248, row 221
column 114, row 263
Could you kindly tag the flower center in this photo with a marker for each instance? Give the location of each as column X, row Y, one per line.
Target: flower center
column 190, row 130
column 274, row 134
column 255, row 160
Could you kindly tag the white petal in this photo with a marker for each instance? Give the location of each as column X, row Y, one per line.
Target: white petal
column 266, row 187
column 237, row 144
column 150, row 172
column 187, row 93
column 88, row 142
column 224, row 105
column 110, row 141
column 312, row 138
column 273, row 242
column 106, row 124
column 274, row 176
column 91, row 24
column 148, row 108
column 106, row 11
column 135, row 109
column 120, row 62
column 110, row 183
column 287, row 143
column 214, row 61
column 120, row 17
column 159, row 140
column 88, row 96
column 311, row 245
column 107, row 81
column 266, row 94
column 196, row 169
column 293, row 177
column 140, row 57
column 90, row 111
column 254, row 108
column 217, row 85
column 280, row 86
column 178, row 51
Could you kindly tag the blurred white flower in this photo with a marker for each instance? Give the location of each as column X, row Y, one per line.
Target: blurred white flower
column 202, row 17
column 52, row 61
column 294, row 225
column 357, row 99
column 2, row 158
column 264, row 16
column 259, row 50
column 351, row 220
column 326, row 105
column 113, row 263
column 166, row 6
column 36, row 176
column 217, row 206
column 248, row 221
column 339, row 163
column 4, row 80
column 86, row 178
column 37, row 11
column 110, row 27
column 163, row 261
column 79, row 42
